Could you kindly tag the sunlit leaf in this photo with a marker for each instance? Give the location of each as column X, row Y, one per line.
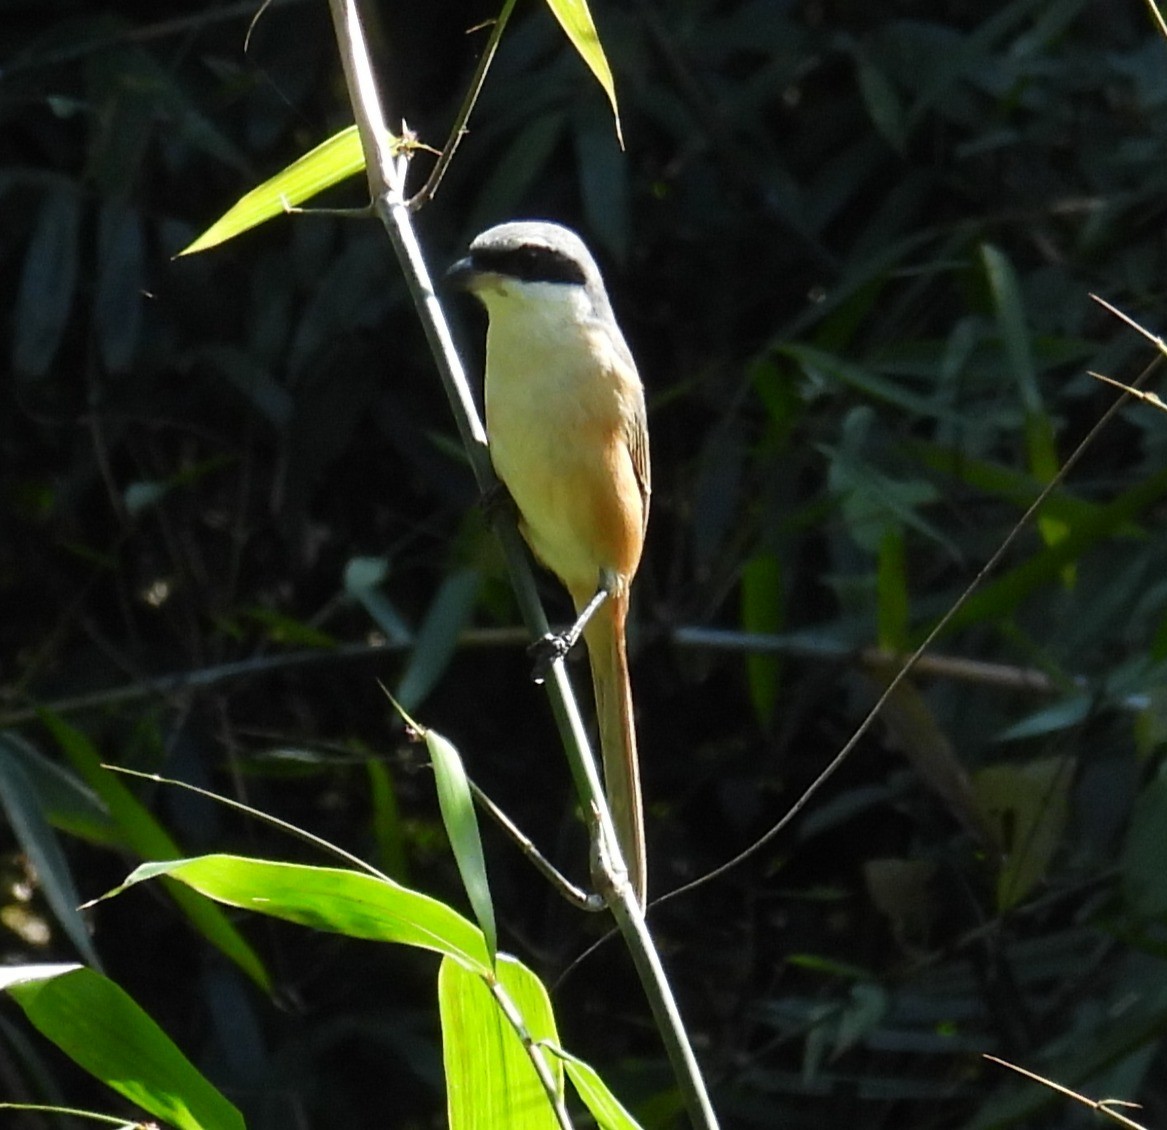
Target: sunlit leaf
column 100, row 1027
column 461, row 821
column 329, row 163
column 605, row 1108
column 328, row 898
column 490, row 1080
column 576, row 20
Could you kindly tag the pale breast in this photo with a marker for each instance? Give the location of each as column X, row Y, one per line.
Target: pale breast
column 555, row 420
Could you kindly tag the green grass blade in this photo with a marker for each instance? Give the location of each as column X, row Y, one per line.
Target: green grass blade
column 100, row 1027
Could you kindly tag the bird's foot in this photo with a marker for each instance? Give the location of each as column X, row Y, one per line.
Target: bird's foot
column 545, row 651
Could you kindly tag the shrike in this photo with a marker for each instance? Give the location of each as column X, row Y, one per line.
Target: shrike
column 566, row 423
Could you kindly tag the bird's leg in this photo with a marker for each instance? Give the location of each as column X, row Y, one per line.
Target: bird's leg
column 555, row 646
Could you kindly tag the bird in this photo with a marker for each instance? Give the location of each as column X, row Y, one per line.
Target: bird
column 568, row 438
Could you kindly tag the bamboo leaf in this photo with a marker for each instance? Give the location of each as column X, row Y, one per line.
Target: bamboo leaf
column 329, row 163
column 327, row 898
column 490, row 1080
column 100, row 1027
column 576, row 21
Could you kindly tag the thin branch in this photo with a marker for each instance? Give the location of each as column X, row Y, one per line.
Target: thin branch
column 799, row 646
column 179, row 25
column 578, row 898
column 1103, row 1106
column 430, row 189
column 1146, row 397
column 807, row 645
column 266, row 817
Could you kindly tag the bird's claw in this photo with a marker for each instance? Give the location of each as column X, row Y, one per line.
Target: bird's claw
column 544, row 652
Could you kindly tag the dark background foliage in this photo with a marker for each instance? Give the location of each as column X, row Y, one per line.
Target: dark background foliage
column 852, row 247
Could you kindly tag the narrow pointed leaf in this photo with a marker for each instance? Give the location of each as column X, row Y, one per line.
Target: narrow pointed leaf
column 329, row 898
column 329, row 163
column 605, row 1108
column 461, row 821
column 144, row 835
column 763, row 609
column 490, row 1080
column 437, row 638
column 19, row 802
column 68, row 804
column 100, row 1027
column 1028, row 806
column 47, row 283
column 576, row 21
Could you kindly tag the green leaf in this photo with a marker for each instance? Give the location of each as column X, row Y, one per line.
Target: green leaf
column 138, row 497
column 68, row 804
column 144, row 835
column 283, row 629
column 763, row 611
column 47, row 283
column 1027, row 806
column 100, row 1027
column 882, row 101
column 329, row 163
column 328, row 898
column 362, row 576
column 605, row 1108
column 1017, row 487
column 826, row 368
column 117, row 305
column 1070, row 711
column 490, row 1080
column 22, row 806
column 1144, row 855
column 458, row 815
column 871, row 500
column 1039, row 437
column 1010, row 311
column 997, row 598
column 891, row 582
column 437, row 638
column 915, row 731
column 576, row 21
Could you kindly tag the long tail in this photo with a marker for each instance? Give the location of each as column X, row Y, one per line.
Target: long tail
column 608, row 656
